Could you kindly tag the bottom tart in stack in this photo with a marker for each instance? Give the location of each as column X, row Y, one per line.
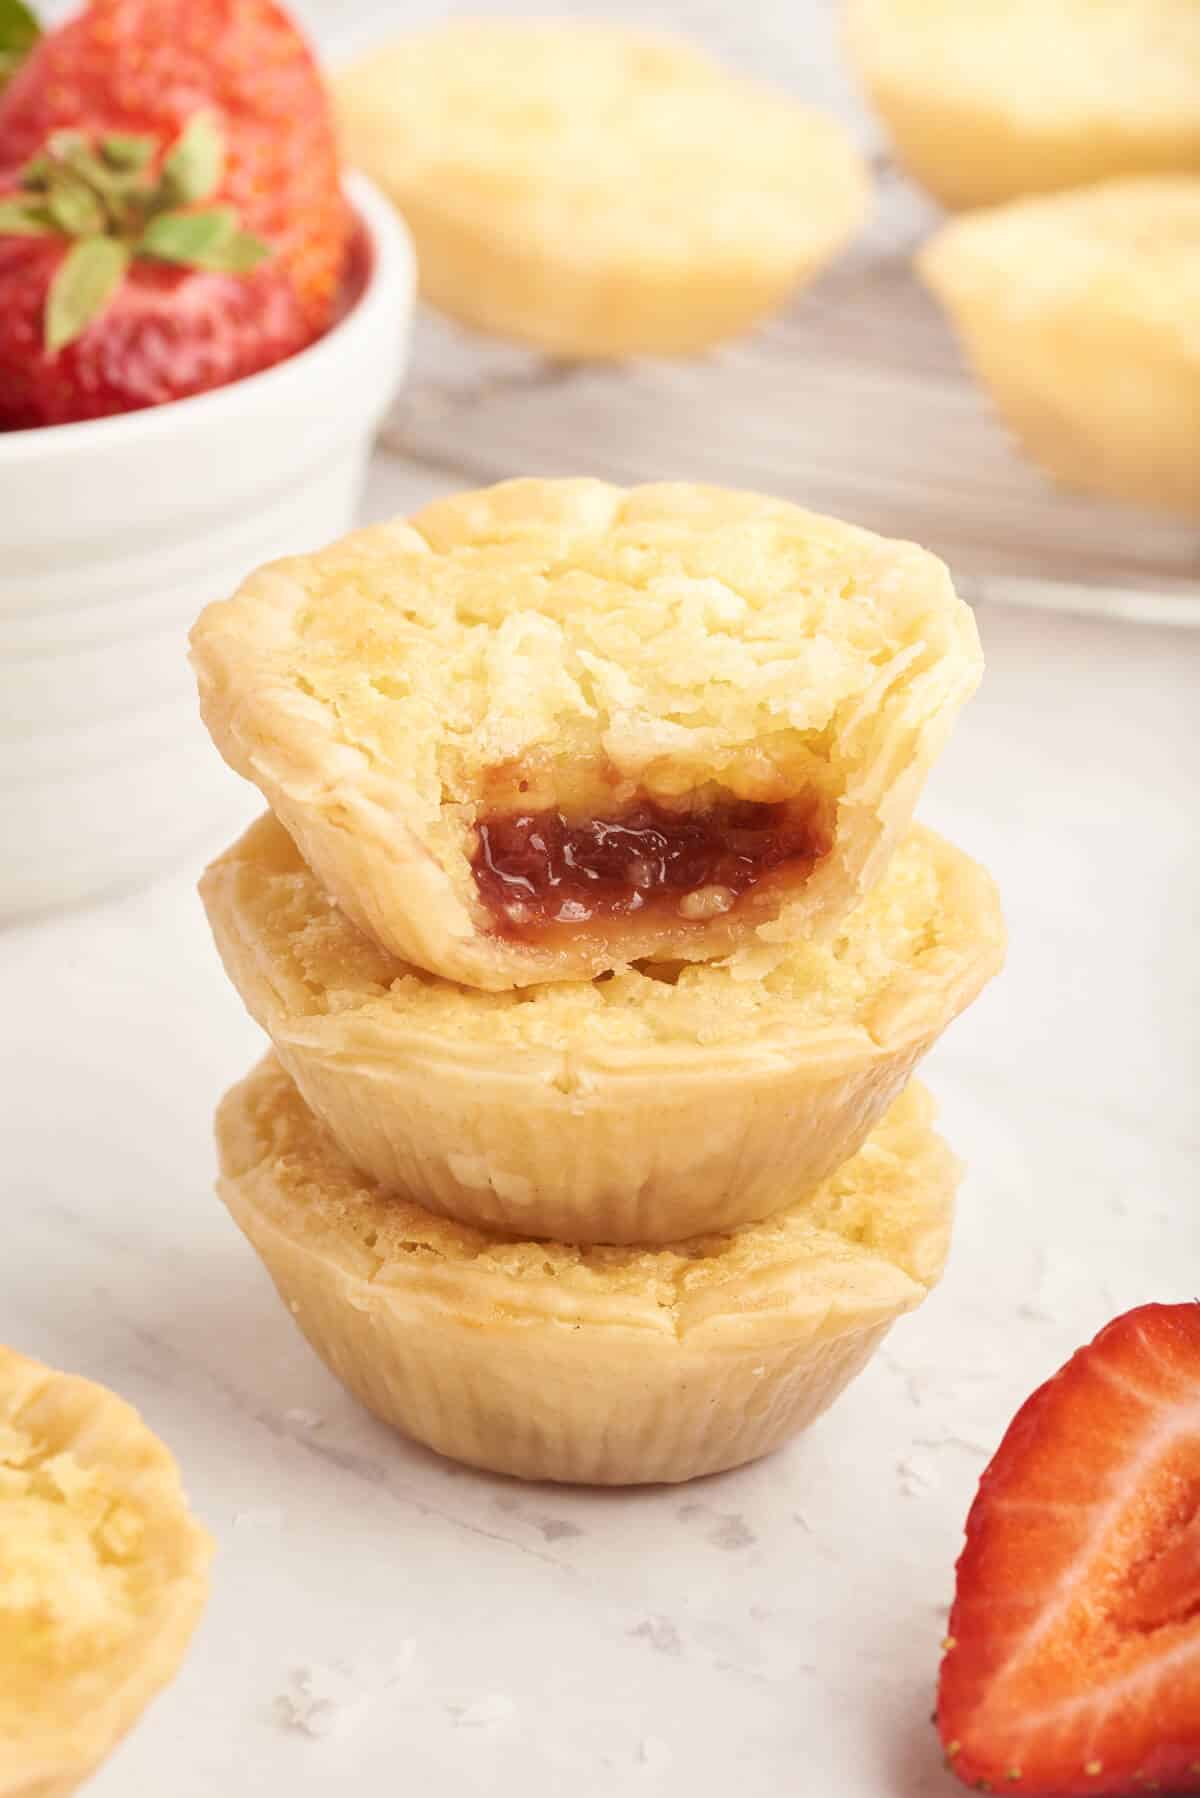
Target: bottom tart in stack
column 602, row 1365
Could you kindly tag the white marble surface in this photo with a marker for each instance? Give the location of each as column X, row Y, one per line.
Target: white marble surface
column 771, row 1631
column 774, row 1629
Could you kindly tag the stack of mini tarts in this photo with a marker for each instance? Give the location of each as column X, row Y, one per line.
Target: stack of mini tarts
column 597, row 947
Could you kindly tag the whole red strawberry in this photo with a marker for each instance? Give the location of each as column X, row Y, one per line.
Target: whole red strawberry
column 146, row 67
column 1073, row 1661
column 121, row 287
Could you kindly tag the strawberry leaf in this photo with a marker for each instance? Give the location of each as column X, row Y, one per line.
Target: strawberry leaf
column 189, row 236
column 87, row 278
column 245, row 253
column 118, row 191
column 24, row 218
column 193, row 169
column 125, row 152
column 208, row 239
column 75, row 209
column 18, row 27
column 36, row 174
column 19, row 32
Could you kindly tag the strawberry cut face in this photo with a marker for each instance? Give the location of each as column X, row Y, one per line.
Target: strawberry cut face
column 1073, row 1659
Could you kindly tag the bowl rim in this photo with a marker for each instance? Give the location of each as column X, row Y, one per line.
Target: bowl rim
column 391, row 274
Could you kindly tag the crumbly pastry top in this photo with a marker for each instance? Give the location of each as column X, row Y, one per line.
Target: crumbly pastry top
column 933, row 920
column 681, row 635
column 1124, row 248
column 97, row 1550
column 1057, row 63
column 573, row 648
column 885, row 1214
column 596, row 142
column 71, row 1578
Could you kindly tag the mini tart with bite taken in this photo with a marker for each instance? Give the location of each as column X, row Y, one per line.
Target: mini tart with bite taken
column 1080, row 313
column 654, row 1104
column 596, row 191
column 607, row 1366
column 993, row 99
column 550, row 728
column 103, row 1575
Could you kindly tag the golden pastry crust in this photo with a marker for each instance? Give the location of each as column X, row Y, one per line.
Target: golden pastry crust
column 595, row 191
column 607, row 1366
column 575, row 645
column 103, row 1575
column 1080, row 313
column 996, row 99
column 660, row 1104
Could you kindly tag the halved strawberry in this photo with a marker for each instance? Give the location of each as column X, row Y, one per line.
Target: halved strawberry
column 1073, row 1661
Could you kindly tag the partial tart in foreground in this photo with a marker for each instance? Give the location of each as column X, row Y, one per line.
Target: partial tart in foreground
column 665, row 1101
column 1080, row 313
column 103, row 1575
column 607, row 1366
column 550, row 728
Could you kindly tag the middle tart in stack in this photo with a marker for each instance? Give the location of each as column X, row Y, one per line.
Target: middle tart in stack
column 654, row 1104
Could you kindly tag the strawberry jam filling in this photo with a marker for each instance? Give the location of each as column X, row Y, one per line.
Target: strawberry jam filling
column 538, row 869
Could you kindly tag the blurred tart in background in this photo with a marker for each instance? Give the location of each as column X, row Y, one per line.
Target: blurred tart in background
column 987, row 100
column 1080, row 313
column 596, row 191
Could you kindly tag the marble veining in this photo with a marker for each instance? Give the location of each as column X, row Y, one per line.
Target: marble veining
column 382, row 1621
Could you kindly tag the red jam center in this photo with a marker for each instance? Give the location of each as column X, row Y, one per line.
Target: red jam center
column 535, row 869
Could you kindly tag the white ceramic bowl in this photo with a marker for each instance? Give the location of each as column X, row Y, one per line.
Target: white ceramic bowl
column 113, row 535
